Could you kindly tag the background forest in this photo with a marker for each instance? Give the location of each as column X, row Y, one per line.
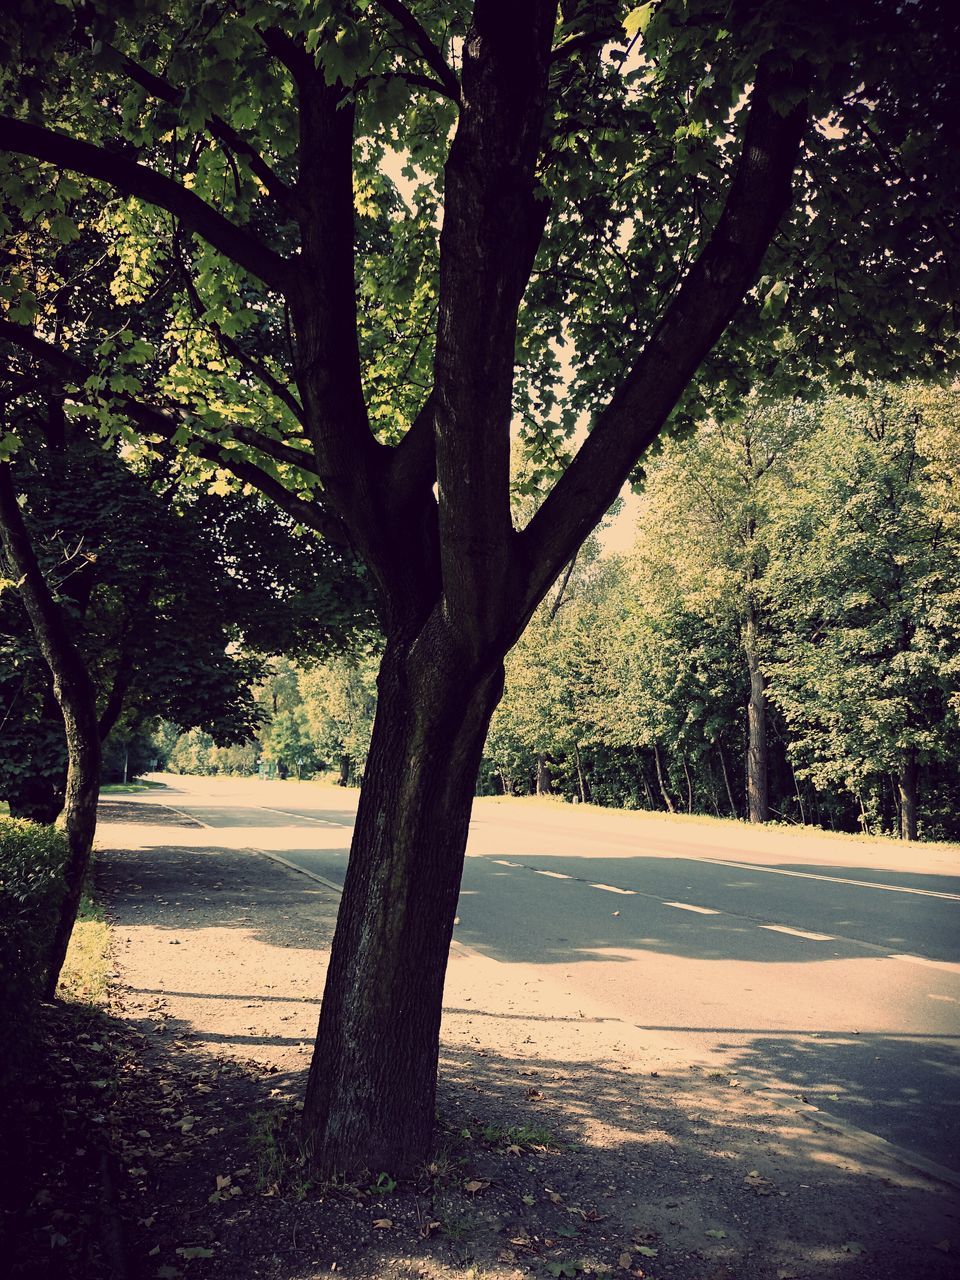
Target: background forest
column 781, row 642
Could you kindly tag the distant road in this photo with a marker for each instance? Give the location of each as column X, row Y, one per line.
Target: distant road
column 827, row 968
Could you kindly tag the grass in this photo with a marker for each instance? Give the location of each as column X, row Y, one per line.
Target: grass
column 125, row 788
column 83, row 979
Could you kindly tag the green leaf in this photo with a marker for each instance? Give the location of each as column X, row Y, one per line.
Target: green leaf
column 637, row 20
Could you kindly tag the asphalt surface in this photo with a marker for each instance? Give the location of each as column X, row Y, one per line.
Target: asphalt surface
column 831, row 978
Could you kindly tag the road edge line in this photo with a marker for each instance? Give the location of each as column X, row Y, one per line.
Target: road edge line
column 292, row 866
column 882, row 1146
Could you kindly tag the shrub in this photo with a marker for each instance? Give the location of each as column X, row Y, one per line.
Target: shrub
column 32, row 859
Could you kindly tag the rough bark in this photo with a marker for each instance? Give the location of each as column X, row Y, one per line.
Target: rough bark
column 75, row 696
column 372, row 1083
column 907, row 785
column 758, row 799
column 544, row 780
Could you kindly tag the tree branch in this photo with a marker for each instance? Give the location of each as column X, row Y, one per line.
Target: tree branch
column 758, row 198
column 231, row 347
column 133, row 179
column 167, row 423
column 421, row 38
column 221, row 129
column 492, row 226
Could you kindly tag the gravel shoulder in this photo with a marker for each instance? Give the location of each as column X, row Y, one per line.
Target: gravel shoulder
column 569, row 1144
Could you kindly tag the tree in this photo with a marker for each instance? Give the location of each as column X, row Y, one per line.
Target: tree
column 705, row 528
column 863, row 579
column 339, row 701
column 623, row 207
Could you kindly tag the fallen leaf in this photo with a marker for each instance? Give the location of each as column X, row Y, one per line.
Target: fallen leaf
column 645, row 1251
column 716, row 1234
column 624, row 1261
column 223, row 1181
column 943, row 1246
column 853, row 1246
column 528, row 1199
column 194, row 1251
column 383, row 1223
column 475, row 1184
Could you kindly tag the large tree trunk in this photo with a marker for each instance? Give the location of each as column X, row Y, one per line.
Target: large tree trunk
column 758, row 801
column 371, row 1091
column 75, row 696
column 907, row 786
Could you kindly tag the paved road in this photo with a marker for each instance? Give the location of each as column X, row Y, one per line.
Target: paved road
column 828, row 970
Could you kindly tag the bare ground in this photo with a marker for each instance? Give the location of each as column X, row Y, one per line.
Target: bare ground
column 568, row 1144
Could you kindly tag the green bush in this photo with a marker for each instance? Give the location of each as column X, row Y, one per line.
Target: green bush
column 32, row 859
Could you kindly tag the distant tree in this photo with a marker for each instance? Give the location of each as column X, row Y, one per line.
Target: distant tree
column 339, row 699
column 864, row 583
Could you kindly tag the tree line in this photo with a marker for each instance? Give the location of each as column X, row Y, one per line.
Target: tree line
column 781, row 642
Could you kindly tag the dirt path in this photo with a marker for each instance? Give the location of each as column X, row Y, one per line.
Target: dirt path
column 569, row 1144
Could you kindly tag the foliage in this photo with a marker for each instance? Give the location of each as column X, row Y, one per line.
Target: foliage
column 867, row 668
column 169, row 591
column 32, row 858
column 836, row 523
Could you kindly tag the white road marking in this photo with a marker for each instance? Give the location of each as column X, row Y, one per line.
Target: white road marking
column 612, row 889
column 554, row 875
column 813, row 875
column 930, row 964
column 288, row 813
column 686, row 906
column 946, row 999
column 502, row 862
column 798, row 933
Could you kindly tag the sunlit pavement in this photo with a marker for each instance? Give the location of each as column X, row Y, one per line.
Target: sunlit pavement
column 826, row 968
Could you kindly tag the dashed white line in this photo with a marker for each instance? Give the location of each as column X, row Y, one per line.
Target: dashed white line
column 610, row 888
column 554, row 875
column 798, row 933
column 502, row 862
column 687, row 906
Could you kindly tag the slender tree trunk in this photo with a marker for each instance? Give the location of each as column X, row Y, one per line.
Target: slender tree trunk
column 544, row 783
column 372, row 1082
column 663, row 786
column 909, row 774
column 344, row 778
column 686, row 773
column 726, row 780
column 581, row 780
column 75, row 696
column 796, row 787
column 758, row 801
